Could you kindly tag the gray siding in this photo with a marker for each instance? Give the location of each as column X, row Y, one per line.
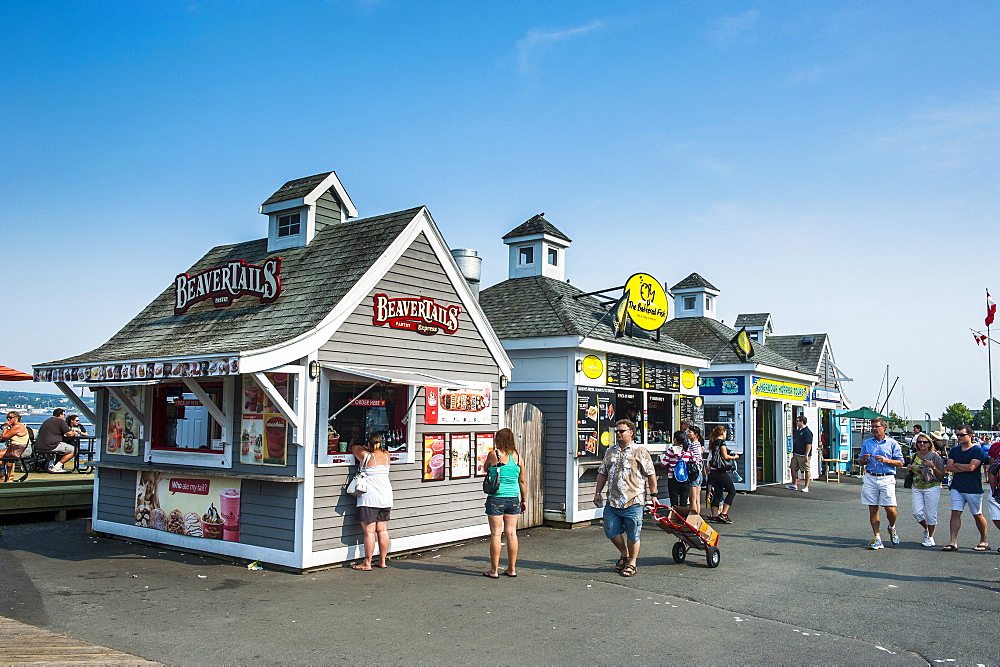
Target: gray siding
column 267, row 509
column 419, row 507
column 588, row 485
column 557, row 448
column 327, row 211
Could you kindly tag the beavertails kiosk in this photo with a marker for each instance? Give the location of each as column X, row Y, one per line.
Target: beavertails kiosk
column 226, row 408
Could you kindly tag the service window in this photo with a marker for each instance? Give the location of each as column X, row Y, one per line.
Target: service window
column 181, row 422
column 628, row 405
column 659, row 418
column 379, row 411
column 722, row 414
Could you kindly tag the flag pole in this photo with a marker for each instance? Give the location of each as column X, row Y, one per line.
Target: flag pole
column 989, row 359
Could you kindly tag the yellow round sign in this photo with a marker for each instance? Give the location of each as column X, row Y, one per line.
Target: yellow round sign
column 646, row 301
column 605, row 438
column 698, row 400
column 593, row 367
column 689, row 379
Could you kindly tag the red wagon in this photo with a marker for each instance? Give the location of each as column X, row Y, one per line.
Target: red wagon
column 691, row 531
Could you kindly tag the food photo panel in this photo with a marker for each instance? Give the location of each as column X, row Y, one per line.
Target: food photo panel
column 433, row 457
column 461, row 455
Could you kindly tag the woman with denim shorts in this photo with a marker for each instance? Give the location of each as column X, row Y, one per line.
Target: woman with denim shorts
column 504, row 506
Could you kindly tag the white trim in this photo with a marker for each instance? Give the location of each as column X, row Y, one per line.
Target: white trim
column 581, row 343
column 307, row 393
column 310, row 341
column 132, row 409
column 572, row 470
column 546, row 342
column 234, row 549
column 282, row 205
column 355, row 551
column 332, row 181
column 283, row 407
column 396, row 376
column 77, row 402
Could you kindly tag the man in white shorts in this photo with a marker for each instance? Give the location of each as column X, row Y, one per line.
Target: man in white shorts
column 964, row 461
column 880, row 456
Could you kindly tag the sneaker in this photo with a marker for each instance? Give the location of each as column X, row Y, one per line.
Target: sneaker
column 724, row 518
column 804, row 489
column 893, row 537
column 876, row 544
column 57, row 470
column 790, row 487
column 928, row 542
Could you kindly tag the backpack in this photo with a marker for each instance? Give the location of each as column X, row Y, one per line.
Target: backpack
column 681, row 471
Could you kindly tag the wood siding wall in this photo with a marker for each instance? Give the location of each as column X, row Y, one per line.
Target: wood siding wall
column 267, row 509
column 327, row 211
column 419, row 507
column 558, row 448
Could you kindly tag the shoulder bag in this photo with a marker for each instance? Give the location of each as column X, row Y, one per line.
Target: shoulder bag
column 721, row 463
column 491, row 483
column 359, row 483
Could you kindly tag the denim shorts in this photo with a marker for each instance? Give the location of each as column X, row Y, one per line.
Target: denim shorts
column 497, row 505
column 618, row 521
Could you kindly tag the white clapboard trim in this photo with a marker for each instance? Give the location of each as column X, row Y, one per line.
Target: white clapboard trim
column 355, row 551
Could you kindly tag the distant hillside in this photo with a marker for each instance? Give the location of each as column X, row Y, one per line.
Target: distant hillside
column 12, row 398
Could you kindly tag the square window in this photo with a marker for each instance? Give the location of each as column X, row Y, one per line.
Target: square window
column 553, row 257
column 526, row 256
column 689, row 303
column 708, row 303
column 288, row 225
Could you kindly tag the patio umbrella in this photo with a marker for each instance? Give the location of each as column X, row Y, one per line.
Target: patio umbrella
column 10, row 375
column 862, row 413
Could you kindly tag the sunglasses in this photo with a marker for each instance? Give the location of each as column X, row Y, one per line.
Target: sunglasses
column 622, row 430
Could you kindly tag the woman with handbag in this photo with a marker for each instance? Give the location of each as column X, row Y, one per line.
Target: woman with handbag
column 722, row 463
column 503, row 507
column 927, row 469
column 374, row 504
column 695, row 475
column 679, row 489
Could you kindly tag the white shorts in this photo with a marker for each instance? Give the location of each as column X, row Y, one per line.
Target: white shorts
column 993, row 505
column 878, row 490
column 959, row 500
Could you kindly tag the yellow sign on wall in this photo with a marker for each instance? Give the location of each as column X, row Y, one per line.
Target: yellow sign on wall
column 646, row 301
column 688, row 379
column 593, row 367
column 767, row 388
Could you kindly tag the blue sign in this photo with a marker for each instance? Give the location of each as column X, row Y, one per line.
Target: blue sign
column 722, row 386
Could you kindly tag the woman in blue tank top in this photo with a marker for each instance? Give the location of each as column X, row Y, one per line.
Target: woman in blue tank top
column 504, row 507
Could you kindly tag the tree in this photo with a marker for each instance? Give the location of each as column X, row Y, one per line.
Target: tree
column 896, row 423
column 955, row 415
column 981, row 422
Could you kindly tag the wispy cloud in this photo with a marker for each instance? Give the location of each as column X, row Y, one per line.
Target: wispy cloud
column 739, row 28
column 538, row 40
column 807, row 75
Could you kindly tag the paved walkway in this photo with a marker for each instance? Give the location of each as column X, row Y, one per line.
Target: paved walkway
column 21, row 643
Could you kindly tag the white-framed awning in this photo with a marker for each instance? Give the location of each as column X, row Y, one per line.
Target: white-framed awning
column 414, row 378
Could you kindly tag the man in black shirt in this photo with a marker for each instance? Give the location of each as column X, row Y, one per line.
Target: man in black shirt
column 802, row 444
column 50, row 439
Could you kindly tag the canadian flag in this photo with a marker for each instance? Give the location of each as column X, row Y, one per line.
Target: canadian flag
column 991, row 309
column 980, row 338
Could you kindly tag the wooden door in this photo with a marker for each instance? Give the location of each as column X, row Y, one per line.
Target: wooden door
column 528, row 425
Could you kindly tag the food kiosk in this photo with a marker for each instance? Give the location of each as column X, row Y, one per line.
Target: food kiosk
column 226, row 409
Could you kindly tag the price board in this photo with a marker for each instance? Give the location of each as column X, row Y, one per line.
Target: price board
column 624, row 371
column 661, row 376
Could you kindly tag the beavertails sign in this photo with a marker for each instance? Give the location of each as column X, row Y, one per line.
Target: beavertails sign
column 228, row 282
column 423, row 315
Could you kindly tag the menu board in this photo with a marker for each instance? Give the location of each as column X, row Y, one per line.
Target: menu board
column 461, row 455
column 624, row 371
column 443, row 405
column 433, row 457
column 661, row 376
column 595, row 414
column 484, row 445
column 693, row 411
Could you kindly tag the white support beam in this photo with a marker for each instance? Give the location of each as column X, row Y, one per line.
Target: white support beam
column 283, row 407
column 77, row 402
column 220, row 417
column 131, row 408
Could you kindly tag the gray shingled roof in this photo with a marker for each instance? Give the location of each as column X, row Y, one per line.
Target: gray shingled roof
column 300, row 187
column 536, row 225
column 313, row 280
column 810, row 356
column 712, row 337
column 752, row 320
column 538, row 306
column 694, row 280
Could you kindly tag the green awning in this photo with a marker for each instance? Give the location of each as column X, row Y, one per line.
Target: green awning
column 862, row 413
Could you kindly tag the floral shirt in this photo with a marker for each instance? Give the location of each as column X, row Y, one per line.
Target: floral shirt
column 626, row 470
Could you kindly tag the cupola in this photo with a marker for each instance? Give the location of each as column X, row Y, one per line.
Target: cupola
column 537, row 248
column 694, row 297
column 303, row 207
column 759, row 327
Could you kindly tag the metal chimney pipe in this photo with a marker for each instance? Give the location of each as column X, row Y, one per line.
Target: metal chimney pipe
column 471, row 266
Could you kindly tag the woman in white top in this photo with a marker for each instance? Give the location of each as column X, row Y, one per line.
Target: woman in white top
column 375, row 503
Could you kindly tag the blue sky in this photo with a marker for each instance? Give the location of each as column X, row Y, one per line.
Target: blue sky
column 833, row 163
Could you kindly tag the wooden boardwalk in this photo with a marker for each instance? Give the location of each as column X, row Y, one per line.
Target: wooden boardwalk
column 26, row 644
column 43, row 492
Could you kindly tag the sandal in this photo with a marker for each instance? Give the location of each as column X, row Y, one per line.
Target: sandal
column 491, row 576
column 982, row 546
column 949, row 547
column 628, row 571
column 620, row 564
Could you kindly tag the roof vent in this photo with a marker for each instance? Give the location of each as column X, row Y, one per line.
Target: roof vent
column 808, row 340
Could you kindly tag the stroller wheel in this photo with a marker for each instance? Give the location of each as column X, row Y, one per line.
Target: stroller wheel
column 713, row 556
column 679, row 552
